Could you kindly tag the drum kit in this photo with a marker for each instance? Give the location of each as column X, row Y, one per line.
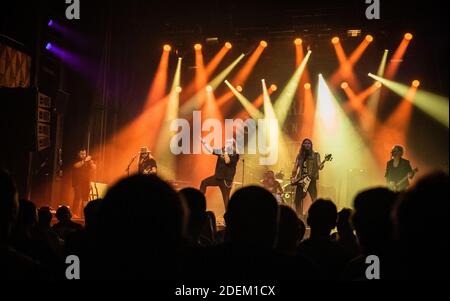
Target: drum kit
column 288, row 195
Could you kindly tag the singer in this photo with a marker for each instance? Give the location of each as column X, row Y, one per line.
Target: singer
column 227, row 160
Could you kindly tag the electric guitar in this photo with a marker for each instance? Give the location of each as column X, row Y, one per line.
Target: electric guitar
column 305, row 180
column 148, row 171
column 394, row 186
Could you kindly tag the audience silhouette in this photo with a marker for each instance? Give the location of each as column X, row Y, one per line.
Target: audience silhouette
column 65, row 226
column 319, row 247
column 143, row 229
column 140, row 231
column 14, row 265
column 373, row 226
column 421, row 228
column 345, row 236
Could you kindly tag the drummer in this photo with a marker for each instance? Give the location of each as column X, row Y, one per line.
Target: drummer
column 272, row 185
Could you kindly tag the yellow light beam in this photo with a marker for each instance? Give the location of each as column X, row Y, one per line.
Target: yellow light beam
column 284, row 101
column 166, row 160
column 253, row 112
column 433, row 105
column 195, row 102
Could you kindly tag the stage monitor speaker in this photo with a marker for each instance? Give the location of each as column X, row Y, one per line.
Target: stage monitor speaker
column 97, row 191
column 26, row 127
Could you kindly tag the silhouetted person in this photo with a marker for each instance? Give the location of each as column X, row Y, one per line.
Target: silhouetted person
column 251, row 219
column 344, row 235
column 327, row 254
column 81, row 242
column 13, row 264
column 250, row 238
column 26, row 227
column 45, row 217
column 65, row 225
column 290, row 232
column 29, row 239
column 373, row 225
column 139, row 231
column 421, row 227
column 197, row 218
column 91, row 212
column 211, row 226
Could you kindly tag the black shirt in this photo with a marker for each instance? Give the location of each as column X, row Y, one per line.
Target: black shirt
column 146, row 165
column 81, row 176
column 225, row 171
column 395, row 174
column 309, row 166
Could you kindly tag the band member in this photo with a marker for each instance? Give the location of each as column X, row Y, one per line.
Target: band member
column 272, row 185
column 82, row 174
column 398, row 170
column 307, row 164
column 227, row 160
column 147, row 164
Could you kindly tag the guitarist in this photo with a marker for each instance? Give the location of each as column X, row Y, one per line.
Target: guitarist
column 146, row 164
column 398, row 170
column 307, row 163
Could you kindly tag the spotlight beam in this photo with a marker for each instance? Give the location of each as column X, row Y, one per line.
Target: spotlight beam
column 284, row 101
column 431, row 104
column 165, row 157
column 217, row 59
column 253, row 112
column 397, row 58
column 333, row 130
column 374, row 99
column 195, row 102
column 158, row 86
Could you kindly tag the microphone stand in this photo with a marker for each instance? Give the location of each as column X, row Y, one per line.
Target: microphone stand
column 243, row 170
column 129, row 164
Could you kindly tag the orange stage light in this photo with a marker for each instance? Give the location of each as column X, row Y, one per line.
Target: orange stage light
column 298, row 41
